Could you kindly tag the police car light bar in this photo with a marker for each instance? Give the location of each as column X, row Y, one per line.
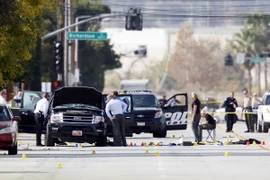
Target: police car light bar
column 135, row 91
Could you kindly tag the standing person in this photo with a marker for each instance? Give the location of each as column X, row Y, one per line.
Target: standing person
column 163, row 101
column 255, row 102
column 40, row 115
column 3, row 96
column 115, row 109
column 230, row 105
column 247, row 109
column 209, row 123
column 196, row 116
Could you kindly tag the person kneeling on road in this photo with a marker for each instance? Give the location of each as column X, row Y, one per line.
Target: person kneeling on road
column 209, row 122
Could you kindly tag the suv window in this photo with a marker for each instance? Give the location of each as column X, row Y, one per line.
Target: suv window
column 30, row 99
column 267, row 100
column 4, row 115
column 145, row 100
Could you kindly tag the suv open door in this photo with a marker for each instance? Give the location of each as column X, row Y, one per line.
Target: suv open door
column 28, row 102
column 176, row 111
column 127, row 98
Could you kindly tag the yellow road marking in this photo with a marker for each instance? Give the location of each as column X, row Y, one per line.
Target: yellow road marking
column 243, row 138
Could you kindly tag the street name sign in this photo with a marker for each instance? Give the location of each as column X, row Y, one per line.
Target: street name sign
column 240, row 58
column 257, row 60
column 86, row 35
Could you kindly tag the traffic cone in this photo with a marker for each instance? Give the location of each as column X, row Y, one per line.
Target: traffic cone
column 23, row 156
column 158, row 144
column 195, row 144
column 157, row 154
column 221, row 143
column 173, row 136
column 182, row 136
column 135, row 144
column 142, row 144
column 146, row 151
column 153, row 144
column 80, row 145
column 263, row 142
column 76, row 145
column 19, row 143
column 254, row 143
column 93, row 152
column 248, row 143
column 145, row 144
column 69, row 144
column 59, row 165
column 226, row 154
column 170, row 140
column 131, row 144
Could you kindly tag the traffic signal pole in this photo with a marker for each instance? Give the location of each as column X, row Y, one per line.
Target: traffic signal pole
column 67, row 54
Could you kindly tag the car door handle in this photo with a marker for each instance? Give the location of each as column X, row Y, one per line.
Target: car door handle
column 128, row 117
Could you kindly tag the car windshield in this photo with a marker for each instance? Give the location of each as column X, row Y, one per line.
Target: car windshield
column 4, row 115
column 83, row 106
column 144, row 100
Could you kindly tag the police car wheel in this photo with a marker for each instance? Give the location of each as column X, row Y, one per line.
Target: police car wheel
column 161, row 134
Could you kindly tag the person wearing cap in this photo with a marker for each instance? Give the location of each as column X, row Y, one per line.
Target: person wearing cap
column 40, row 115
column 209, row 122
column 230, row 105
column 255, row 102
column 247, row 110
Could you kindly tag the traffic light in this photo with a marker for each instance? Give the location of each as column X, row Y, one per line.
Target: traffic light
column 58, row 57
column 228, row 60
column 134, row 21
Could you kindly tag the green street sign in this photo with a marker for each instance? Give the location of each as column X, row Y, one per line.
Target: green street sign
column 257, row 60
column 86, row 35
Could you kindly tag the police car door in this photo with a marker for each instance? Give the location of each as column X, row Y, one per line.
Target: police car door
column 176, row 111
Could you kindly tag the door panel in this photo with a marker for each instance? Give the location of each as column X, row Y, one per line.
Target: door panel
column 176, row 112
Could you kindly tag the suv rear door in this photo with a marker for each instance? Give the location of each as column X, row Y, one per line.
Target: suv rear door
column 176, row 111
column 28, row 102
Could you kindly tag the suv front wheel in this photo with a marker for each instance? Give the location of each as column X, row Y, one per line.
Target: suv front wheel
column 49, row 141
column 160, row 134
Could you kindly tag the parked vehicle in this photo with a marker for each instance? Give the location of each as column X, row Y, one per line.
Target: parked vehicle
column 219, row 114
column 75, row 115
column 8, row 130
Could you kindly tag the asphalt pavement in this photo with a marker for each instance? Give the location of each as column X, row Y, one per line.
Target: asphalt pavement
column 218, row 160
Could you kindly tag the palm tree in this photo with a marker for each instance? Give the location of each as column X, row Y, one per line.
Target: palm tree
column 243, row 42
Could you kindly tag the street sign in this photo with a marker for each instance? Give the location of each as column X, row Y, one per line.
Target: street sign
column 240, row 58
column 257, row 60
column 86, row 35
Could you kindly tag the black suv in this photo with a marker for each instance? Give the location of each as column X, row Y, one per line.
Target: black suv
column 75, row 115
column 145, row 114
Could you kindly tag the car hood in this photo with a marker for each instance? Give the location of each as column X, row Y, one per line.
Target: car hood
column 80, row 95
column 4, row 124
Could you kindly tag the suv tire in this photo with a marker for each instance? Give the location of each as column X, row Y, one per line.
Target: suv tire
column 102, row 141
column 49, row 141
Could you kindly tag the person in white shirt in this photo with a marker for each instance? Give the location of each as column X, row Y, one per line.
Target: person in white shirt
column 40, row 115
column 115, row 109
column 3, row 96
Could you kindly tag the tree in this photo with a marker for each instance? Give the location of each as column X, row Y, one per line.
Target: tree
column 253, row 38
column 19, row 35
column 196, row 63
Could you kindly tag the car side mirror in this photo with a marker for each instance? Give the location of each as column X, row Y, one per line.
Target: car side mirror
column 16, row 118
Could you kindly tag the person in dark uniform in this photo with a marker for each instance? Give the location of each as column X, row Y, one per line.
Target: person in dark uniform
column 40, row 115
column 163, row 101
column 115, row 109
column 230, row 105
column 196, row 116
column 209, row 123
